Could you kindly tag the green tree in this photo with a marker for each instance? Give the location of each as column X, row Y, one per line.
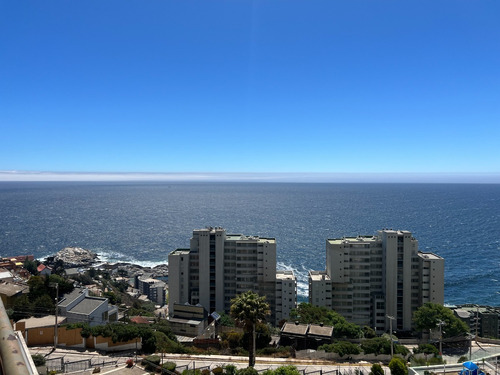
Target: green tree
column 427, row 349
column 369, row 332
column 37, row 287
column 398, row 366
column 226, row 320
column 21, row 308
column 376, row 369
column 262, row 339
column 65, row 286
column 341, row 348
column 377, row 345
column 31, row 266
column 43, row 305
column 430, row 314
column 248, row 309
column 309, row 314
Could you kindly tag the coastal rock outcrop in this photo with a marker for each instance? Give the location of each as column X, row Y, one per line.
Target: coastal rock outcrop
column 76, row 257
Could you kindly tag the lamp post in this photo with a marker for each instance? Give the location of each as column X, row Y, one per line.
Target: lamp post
column 440, row 323
column 391, row 318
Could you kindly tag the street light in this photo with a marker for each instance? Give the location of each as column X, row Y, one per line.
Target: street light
column 440, row 323
column 391, row 318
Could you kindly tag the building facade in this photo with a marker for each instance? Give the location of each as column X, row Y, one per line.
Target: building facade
column 78, row 307
column 152, row 288
column 371, row 278
column 286, row 294
column 218, row 266
column 483, row 321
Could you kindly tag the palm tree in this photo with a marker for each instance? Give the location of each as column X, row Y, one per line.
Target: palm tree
column 247, row 309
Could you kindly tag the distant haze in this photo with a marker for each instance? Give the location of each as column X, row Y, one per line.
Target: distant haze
column 257, row 177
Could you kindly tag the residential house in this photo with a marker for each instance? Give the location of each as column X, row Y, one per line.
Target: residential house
column 79, row 307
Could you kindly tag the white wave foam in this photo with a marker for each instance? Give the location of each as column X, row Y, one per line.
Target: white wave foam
column 117, row 257
column 302, row 276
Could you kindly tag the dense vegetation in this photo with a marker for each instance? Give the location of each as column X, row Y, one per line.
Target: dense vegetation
column 307, row 314
column 40, row 300
column 429, row 315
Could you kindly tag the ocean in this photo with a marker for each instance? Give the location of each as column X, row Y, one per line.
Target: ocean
column 141, row 222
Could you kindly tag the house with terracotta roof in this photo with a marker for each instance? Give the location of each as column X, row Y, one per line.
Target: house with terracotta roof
column 139, row 320
column 44, row 270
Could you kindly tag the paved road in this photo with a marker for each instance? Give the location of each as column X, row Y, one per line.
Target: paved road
column 199, row 361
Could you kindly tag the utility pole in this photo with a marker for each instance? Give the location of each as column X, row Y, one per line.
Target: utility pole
column 440, row 323
column 469, row 336
column 55, row 285
column 391, row 318
column 477, row 321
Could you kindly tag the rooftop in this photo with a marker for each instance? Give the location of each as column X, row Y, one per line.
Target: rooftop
column 242, row 237
column 430, row 256
column 285, row 275
column 70, row 297
column 11, row 289
column 88, row 305
column 318, row 275
column 46, row 321
column 139, row 320
column 320, row 331
column 294, row 328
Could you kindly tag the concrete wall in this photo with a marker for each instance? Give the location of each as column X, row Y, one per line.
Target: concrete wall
column 72, row 338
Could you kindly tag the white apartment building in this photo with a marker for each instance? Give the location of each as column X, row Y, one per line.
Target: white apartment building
column 218, row 266
column 286, row 294
column 369, row 278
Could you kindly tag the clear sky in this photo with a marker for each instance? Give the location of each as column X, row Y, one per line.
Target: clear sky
column 272, row 86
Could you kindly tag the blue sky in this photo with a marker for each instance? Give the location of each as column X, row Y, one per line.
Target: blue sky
column 333, row 87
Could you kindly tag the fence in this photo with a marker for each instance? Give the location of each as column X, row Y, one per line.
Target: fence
column 58, row 364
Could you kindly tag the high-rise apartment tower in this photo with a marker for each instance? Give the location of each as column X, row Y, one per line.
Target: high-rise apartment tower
column 373, row 279
column 218, row 266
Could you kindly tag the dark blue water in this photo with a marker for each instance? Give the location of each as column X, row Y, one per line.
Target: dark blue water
column 143, row 222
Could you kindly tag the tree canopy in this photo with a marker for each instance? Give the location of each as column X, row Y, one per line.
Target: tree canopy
column 309, row 314
column 429, row 315
column 248, row 309
column 398, row 366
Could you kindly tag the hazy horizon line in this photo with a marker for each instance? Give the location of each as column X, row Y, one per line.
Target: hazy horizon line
column 357, row 177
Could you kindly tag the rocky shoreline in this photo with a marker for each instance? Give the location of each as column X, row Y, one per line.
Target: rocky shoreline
column 77, row 257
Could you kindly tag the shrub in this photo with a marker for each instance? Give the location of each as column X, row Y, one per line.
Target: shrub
column 341, row 348
column 398, row 366
column 191, row 372
column 426, row 348
column 169, row 366
column 286, row 370
column 376, row 369
column 247, row 371
column 377, row 345
column 230, row 370
column 38, row 359
column 151, row 362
